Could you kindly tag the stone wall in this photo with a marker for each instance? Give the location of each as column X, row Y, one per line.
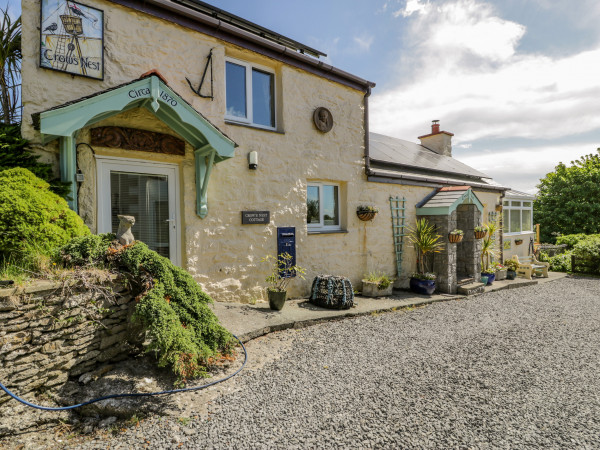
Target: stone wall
column 48, row 334
column 469, row 250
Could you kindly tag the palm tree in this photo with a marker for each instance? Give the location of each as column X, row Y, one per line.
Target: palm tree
column 10, row 59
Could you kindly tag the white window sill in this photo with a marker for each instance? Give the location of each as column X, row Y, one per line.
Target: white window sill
column 253, row 126
column 519, row 233
column 321, row 231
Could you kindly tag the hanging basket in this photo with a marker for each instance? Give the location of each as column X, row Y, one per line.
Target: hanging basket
column 480, row 234
column 518, row 241
column 455, row 238
column 365, row 214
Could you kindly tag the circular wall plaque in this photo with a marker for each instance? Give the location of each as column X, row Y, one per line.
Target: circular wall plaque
column 323, row 119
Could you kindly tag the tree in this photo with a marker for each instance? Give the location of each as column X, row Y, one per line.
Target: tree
column 568, row 201
column 10, row 59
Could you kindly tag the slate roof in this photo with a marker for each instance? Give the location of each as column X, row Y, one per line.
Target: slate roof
column 400, row 159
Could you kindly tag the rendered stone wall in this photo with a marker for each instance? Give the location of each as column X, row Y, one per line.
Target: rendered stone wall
column 223, row 255
column 47, row 337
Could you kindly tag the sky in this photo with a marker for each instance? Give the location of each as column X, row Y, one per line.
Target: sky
column 516, row 81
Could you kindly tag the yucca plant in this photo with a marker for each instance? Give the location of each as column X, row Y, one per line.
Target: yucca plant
column 425, row 241
column 489, row 247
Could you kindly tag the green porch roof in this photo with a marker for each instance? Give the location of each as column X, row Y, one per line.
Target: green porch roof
column 444, row 201
column 151, row 92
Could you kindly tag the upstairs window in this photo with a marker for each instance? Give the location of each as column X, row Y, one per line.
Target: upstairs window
column 517, row 216
column 250, row 94
column 323, row 206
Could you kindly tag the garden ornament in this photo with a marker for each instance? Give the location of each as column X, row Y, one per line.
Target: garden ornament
column 124, row 234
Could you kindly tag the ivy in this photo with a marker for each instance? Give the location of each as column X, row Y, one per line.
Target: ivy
column 173, row 309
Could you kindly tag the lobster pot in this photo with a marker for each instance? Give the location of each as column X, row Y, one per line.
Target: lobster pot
column 72, row 24
column 332, row 292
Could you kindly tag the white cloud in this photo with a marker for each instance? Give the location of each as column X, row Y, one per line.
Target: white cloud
column 364, row 42
column 521, row 168
column 411, row 7
column 465, row 71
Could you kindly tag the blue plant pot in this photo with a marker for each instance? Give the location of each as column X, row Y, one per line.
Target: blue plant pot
column 490, row 277
column 424, row 287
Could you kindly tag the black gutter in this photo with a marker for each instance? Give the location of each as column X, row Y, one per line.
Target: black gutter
column 394, row 165
column 195, row 20
column 380, row 177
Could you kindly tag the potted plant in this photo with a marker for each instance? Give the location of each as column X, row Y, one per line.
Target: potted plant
column 489, row 250
column 511, row 266
column 377, row 284
column 366, row 213
column 282, row 271
column 455, row 236
column 480, row 232
column 422, row 283
column 425, row 241
column 500, row 271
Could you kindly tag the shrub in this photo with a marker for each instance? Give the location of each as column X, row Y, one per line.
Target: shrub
column 570, row 239
column 558, row 263
column 15, row 152
column 32, row 218
column 588, row 247
column 171, row 306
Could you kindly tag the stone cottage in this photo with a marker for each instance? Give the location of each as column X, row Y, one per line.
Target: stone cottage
column 228, row 141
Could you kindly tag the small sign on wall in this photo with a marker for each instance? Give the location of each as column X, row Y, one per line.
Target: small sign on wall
column 256, row 217
column 72, row 38
column 286, row 243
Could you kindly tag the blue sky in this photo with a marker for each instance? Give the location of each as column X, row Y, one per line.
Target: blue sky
column 516, row 81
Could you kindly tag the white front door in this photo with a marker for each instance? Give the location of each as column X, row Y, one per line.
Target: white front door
column 147, row 191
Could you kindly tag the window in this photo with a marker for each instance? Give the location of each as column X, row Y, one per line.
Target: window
column 517, row 216
column 323, row 206
column 250, row 94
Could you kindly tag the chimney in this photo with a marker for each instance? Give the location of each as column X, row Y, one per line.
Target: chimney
column 438, row 141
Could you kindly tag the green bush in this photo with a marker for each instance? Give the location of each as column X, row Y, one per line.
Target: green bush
column 558, row 263
column 15, row 152
column 171, row 306
column 570, row 239
column 32, row 218
column 588, row 247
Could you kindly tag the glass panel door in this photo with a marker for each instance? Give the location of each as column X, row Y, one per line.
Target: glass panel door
column 145, row 197
column 146, row 191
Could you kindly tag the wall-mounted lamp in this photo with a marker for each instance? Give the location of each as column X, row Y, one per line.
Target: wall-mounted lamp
column 253, row 160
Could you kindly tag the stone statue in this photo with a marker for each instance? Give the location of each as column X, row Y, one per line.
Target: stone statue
column 124, row 234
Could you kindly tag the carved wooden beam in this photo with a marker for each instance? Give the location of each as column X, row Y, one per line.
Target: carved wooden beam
column 140, row 140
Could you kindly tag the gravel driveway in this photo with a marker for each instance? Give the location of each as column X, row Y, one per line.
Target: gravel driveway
column 509, row 369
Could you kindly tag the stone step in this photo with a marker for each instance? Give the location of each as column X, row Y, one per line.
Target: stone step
column 465, row 280
column 471, row 289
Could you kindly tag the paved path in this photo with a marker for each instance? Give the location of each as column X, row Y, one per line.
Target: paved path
column 251, row 321
column 515, row 368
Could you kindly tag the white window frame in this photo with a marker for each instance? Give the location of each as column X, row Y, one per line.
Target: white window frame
column 521, row 208
column 249, row 120
column 106, row 164
column 320, row 225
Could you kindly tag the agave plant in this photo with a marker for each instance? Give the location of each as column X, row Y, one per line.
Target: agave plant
column 425, row 240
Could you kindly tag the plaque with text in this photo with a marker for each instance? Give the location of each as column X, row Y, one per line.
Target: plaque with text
column 256, row 217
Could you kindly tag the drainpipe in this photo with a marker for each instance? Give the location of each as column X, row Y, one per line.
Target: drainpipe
column 366, row 126
column 501, row 221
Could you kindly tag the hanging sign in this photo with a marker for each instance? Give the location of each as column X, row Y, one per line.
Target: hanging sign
column 72, row 38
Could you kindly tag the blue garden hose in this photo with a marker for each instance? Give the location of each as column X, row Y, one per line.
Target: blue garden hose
column 89, row 402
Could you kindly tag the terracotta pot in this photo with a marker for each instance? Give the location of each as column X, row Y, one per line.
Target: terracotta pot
column 455, row 238
column 366, row 215
column 480, row 234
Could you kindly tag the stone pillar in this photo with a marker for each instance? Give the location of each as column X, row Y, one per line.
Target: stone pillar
column 469, row 250
column 444, row 262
